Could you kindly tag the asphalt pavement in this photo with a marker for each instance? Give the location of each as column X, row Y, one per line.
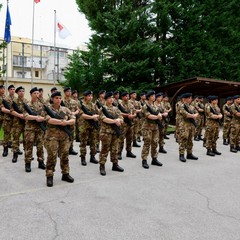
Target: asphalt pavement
column 196, row 200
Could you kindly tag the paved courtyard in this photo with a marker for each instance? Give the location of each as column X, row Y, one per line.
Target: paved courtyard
column 196, row 200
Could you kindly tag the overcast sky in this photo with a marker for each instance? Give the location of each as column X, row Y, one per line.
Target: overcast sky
column 67, row 14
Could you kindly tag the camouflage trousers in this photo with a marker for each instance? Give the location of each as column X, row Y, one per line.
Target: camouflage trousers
column 71, row 138
column 185, row 138
column 88, row 135
column 140, row 125
column 200, row 125
column 127, row 133
column 32, row 136
column 211, row 134
column 109, row 143
column 150, row 137
column 235, row 134
column 177, row 129
column 161, row 137
column 17, row 130
column 57, row 147
column 226, row 129
column 136, row 123
column 7, row 129
column 1, row 123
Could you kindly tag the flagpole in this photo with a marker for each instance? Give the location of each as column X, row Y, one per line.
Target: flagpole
column 54, row 49
column 33, row 18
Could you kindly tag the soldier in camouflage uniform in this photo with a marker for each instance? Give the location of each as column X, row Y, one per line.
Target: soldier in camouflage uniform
column 75, row 97
column 33, row 133
column 88, row 133
column 108, row 136
column 235, row 125
column 142, row 102
column 136, row 120
column 116, row 96
column 72, row 105
column 213, row 116
column 187, row 118
column 2, row 96
column 159, row 103
column 168, row 109
column 41, row 98
column 57, row 140
column 18, row 123
column 7, row 120
column 150, row 131
column 127, row 127
column 177, row 105
column 227, row 119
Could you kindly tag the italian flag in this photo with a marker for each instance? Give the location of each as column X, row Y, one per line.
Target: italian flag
column 37, row 1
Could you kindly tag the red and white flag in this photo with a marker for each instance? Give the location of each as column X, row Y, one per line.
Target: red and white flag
column 37, row 1
column 63, row 32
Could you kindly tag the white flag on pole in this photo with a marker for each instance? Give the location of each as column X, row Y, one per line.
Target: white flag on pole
column 63, row 32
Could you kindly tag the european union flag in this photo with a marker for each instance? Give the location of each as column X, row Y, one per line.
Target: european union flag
column 7, row 34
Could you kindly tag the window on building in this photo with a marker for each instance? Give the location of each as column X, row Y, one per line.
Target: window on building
column 36, row 74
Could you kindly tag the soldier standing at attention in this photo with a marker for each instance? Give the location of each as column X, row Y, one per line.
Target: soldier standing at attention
column 57, row 140
column 164, row 113
column 108, row 136
column 72, row 105
column 2, row 96
column 150, row 131
column 7, row 120
column 33, row 133
column 227, row 119
column 142, row 102
column 177, row 105
column 87, row 130
column 75, row 97
column 127, row 127
column 168, row 108
column 213, row 116
column 235, row 125
column 187, row 118
column 136, row 120
column 18, row 123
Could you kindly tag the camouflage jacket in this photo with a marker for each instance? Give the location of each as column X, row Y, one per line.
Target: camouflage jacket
column 235, row 109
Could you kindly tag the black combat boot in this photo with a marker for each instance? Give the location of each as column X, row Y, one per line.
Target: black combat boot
column 120, row 156
column 116, row 167
column 72, row 152
column 233, row 149
column 19, row 152
column 225, row 142
column 191, row 157
column 135, row 144
column 83, row 160
column 144, row 164
column 130, row 154
column 156, row 162
column 102, row 169
column 28, row 167
column 5, row 151
column 200, row 138
column 15, row 157
column 196, row 139
column 238, row 148
column 93, row 159
column 50, row 181
column 162, row 150
column 182, row 158
column 67, row 178
column 138, row 139
column 41, row 165
column 216, row 152
column 210, row 153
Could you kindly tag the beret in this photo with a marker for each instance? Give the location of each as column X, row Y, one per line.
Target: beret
column 186, row 95
column 107, row 95
column 150, row 93
column 165, row 95
column 200, row 97
column 18, row 89
column 2, row 86
column 236, row 96
column 116, row 92
column 142, row 94
column 11, row 86
column 56, row 94
column 212, row 97
column 101, row 92
column 40, row 89
column 66, row 89
column 33, row 90
column 123, row 94
column 74, row 91
column 228, row 98
column 53, row 89
column 132, row 92
column 88, row 92
column 159, row 94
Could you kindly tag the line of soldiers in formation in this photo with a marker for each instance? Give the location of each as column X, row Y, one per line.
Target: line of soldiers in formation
column 112, row 119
